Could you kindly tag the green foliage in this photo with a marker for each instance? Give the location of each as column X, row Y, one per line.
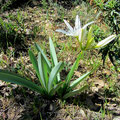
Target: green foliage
column 12, row 32
column 67, row 89
column 9, row 34
column 14, row 78
column 98, row 33
column 45, row 72
column 111, row 10
column 49, row 76
column 45, row 4
column 99, row 3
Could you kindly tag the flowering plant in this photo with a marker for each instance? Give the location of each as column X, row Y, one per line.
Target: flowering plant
column 84, row 37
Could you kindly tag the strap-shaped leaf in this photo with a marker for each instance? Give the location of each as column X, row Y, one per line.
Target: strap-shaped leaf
column 54, row 56
column 34, row 62
column 75, row 66
column 74, row 92
column 53, row 74
column 52, row 51
column 90, row 38
column 55, row 88
column 16, row 79
column 45, row 70
column 40, row 67
column 76, row 82
column 90, row 33
column 89, row 42
column 46, row 59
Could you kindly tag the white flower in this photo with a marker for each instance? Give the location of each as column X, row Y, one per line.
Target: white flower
column 77, row 30
column 87, row 42
column 105, row 41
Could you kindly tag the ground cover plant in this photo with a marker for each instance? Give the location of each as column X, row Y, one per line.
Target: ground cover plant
column 12, row 33
column 101, row 98
column 110, row 10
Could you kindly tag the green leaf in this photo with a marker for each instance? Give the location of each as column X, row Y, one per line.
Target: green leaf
column 75, row 66
column 55, row 88
column 53, row 53
column 34, row 62
column 53, row 74
column 90, row 38
column 16, row 79
column 76, row 82
column 45, row 70
column 75, row 92
column 40, row 66
column 90, row 33
column 54, row 56
column 46, row 59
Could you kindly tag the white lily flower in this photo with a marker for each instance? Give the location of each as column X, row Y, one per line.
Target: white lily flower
column 105, row 41
column 77, row 30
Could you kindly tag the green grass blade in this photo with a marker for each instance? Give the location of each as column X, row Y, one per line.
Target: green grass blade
column 54, row 56
column 75, row 92
column 16, row 79
column 46, row 59
column 53, row 74
column 75, row 66
column 34, row 62
column 40, row 67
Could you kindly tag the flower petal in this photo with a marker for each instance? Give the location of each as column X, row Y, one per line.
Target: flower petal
column 88, row 24
column 69, row 33
column 77, row 23
column 105, row 41
column 62, row 31
column 69, row 26
column 76, row 32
